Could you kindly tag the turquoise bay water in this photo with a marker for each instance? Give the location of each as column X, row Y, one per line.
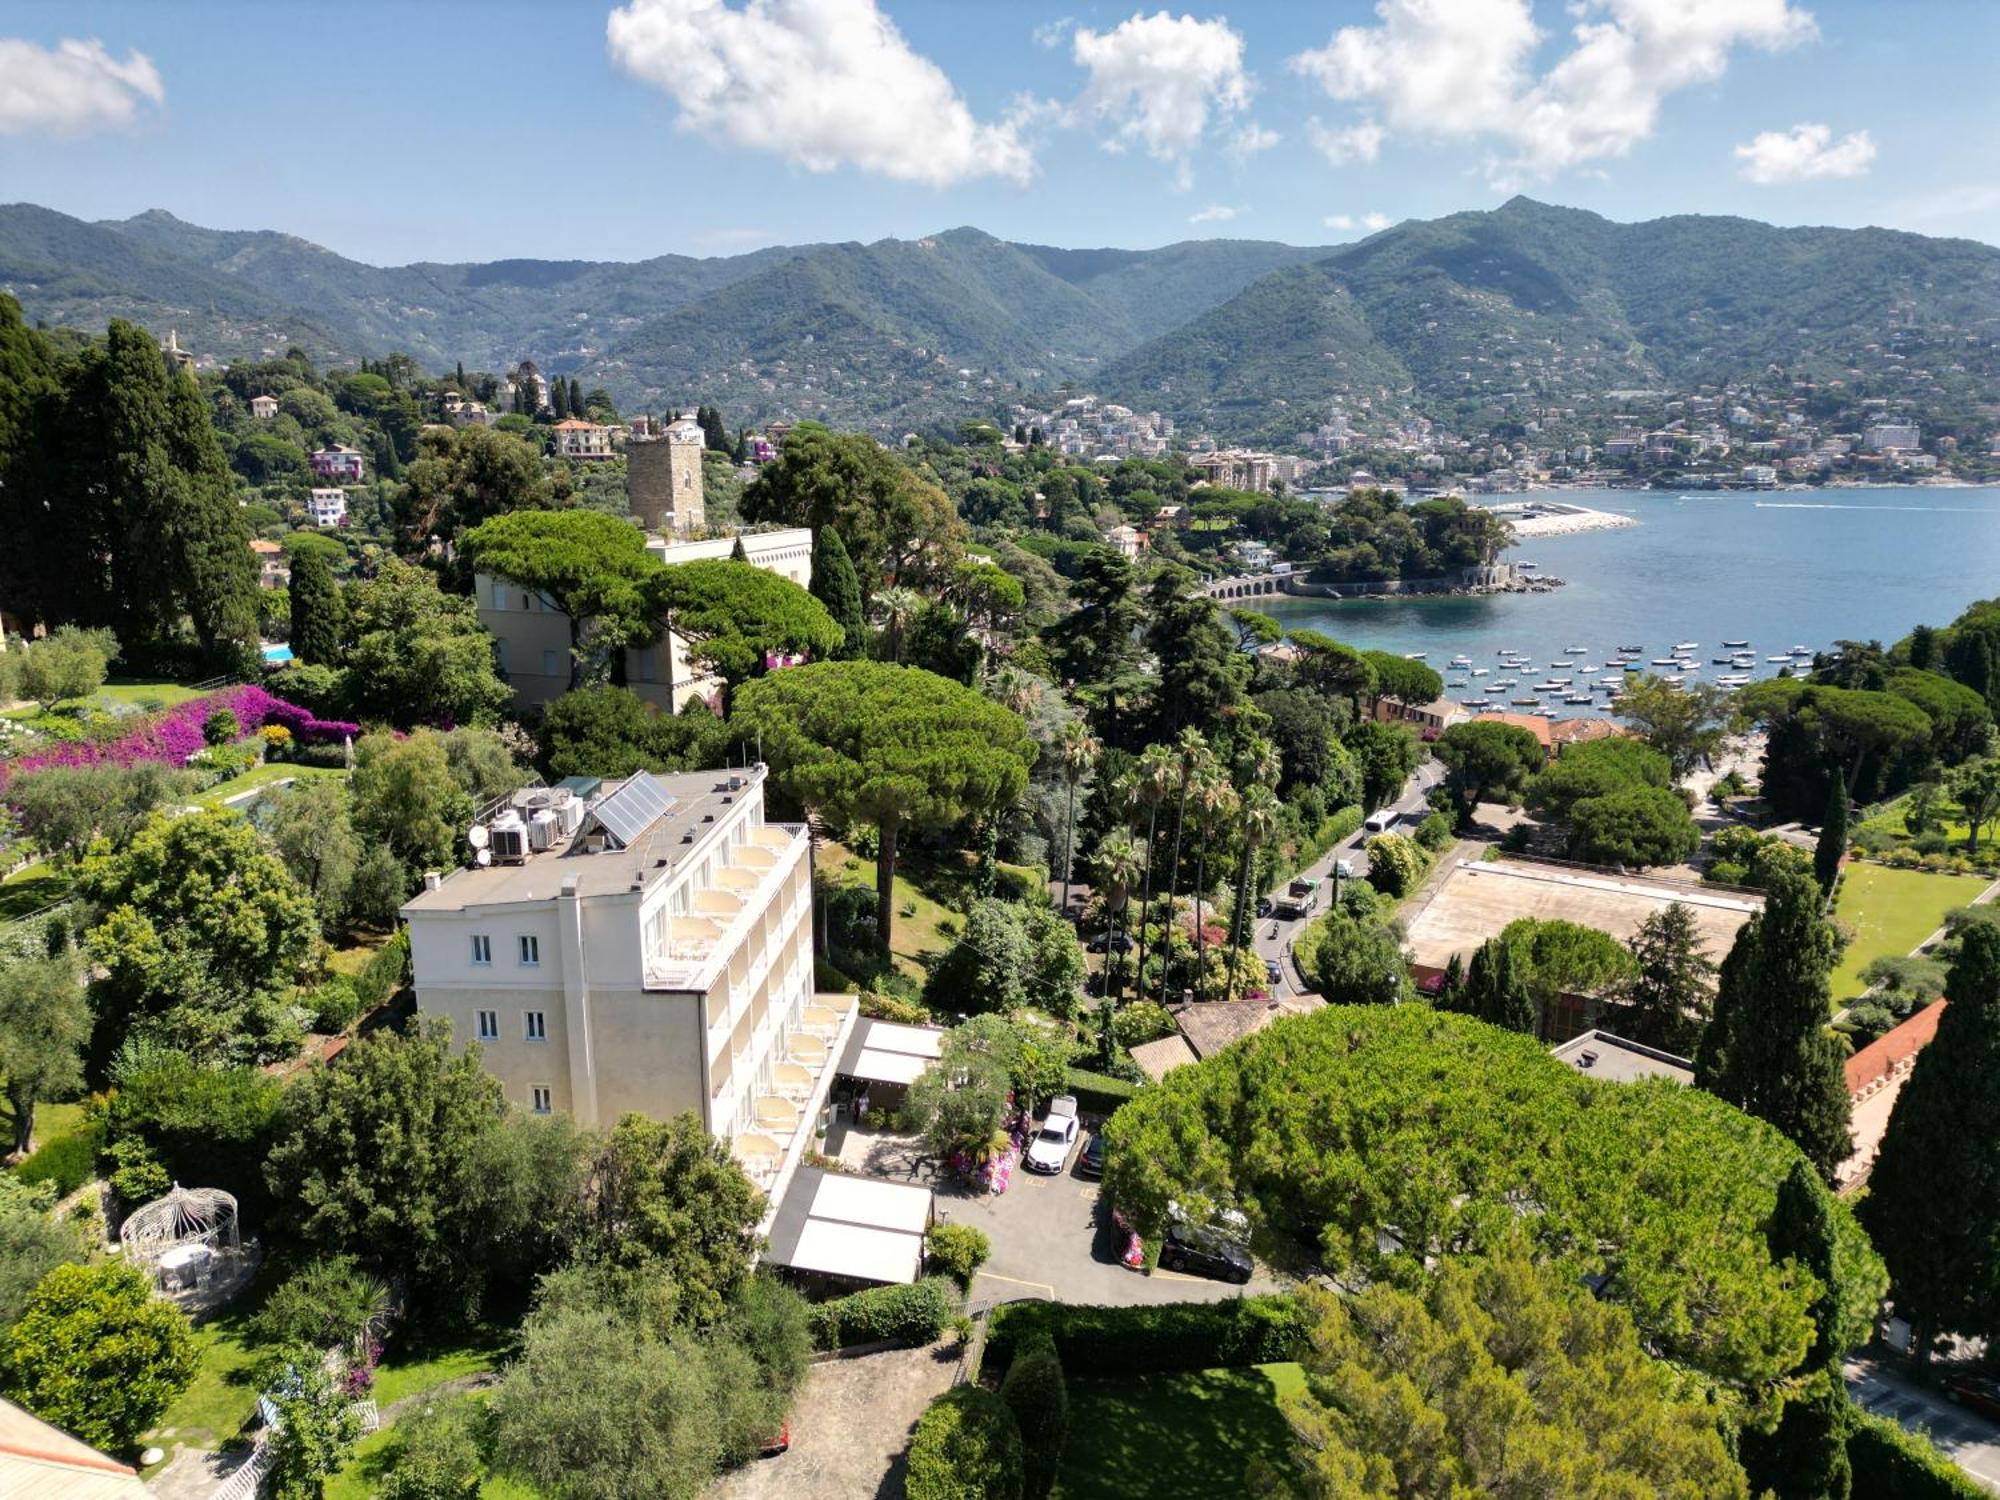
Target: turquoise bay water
column 1793, row 568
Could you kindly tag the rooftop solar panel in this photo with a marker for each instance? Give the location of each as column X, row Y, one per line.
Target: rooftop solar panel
column 633, row 808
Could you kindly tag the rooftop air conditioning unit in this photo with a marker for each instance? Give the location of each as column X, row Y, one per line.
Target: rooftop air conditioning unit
column 542, row 830
column 569, row 815
column 509, row 840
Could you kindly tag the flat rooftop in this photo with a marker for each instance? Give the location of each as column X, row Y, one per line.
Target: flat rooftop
column 696, row 802
column 1478, row 899
column 1602, row 1055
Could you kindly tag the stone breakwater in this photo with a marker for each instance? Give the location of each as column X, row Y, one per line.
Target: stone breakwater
column 1540, row 519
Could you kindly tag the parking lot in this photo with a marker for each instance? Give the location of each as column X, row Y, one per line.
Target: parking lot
column 1052, row 1239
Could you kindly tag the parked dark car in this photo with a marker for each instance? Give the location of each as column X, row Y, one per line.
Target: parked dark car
column 1264, row 905
column 1271, row 970
column 1206, row 1254
column 1975, row 1393
column 1114, row 942
column 1091, row 1163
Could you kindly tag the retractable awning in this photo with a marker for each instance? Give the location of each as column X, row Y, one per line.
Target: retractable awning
column 860, row 1228
column 884, row 1052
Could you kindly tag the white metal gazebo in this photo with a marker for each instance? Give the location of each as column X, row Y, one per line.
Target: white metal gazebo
column 179, row 1236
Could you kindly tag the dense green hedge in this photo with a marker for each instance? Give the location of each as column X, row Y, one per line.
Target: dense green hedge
column 1891, row 1464
column 69, row 1161
column 1029, row 883
column 1098, row 1093
column 967, row 1447
column 386, row 972
column 1151, row 1340
column 909, row 1314
column 1038, row 1396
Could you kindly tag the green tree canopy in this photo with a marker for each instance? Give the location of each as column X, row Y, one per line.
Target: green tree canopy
column 1375, row 1140
column 735, row 616
column 465, row 475
column 898, row 528
column 33, row 1242
column 1487, row 761
column 592, row 568
column 1684, row 723
column 1386, row 754
column 98, row 1355
column 377, row 1153
column 1933, row 1200
column 1672, row 984
column 835, row 585
column 1595, row 768
column 43, row 1026
column 1554, row 958
column 406, row 800
column 612, row 731
column 204, row 935
column 893, row 747
column 67, row 664
column 1640, row 826
column 1351, row 960
column 420, row 656
column 319, row 613
column 1407, row 681
column 1498, row 1377
column 1768, row 1050
column 63, row 808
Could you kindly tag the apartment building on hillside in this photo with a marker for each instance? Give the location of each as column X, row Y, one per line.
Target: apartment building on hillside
column 641, row 945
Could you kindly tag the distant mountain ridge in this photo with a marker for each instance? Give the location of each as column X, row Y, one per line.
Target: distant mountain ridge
column 1247, row 338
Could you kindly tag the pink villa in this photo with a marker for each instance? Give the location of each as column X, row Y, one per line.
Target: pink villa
column 341, row 464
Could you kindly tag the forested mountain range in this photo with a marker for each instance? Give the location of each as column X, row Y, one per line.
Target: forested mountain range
column 1249, row 338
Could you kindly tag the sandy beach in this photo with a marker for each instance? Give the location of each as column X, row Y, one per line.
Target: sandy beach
column 1538, row 518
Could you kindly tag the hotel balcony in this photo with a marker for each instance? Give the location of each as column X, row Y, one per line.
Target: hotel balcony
column 738, row 905
column 786, row 1111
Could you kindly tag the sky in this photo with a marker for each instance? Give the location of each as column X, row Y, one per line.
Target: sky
column 394, row 132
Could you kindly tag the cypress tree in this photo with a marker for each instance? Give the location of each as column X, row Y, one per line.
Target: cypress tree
column 1933, row 1204
column 1494, row 993
column 319, row 614
column 202, row 523
column 1768, row 1050
column 1806, row 1457
column 737, row 552
column 1801, row 1229
column 575, row 397
column 559, row 398
column 1923, row 648
column 1672, row 983
column 1451, row 988
column 835, row 585
column 1969, row 659
column 1832, row 838
column 460, row 381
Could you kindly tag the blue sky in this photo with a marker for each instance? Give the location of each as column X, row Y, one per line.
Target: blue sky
column 454, row 131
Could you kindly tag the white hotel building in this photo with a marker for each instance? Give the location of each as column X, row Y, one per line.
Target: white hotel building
column 646, row 946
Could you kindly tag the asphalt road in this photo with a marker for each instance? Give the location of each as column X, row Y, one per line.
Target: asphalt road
column 1275, row 935
column 1972, row 1442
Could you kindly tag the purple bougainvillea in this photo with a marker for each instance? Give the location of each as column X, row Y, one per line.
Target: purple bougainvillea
column 171, row 736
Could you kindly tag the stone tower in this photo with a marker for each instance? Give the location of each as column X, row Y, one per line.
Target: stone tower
column 663, row 479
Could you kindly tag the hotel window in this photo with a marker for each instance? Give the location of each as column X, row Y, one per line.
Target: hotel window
column 489, row 1026
column 535, row 1025
column 540, row 1097
column 482, row 948
column 531, row 949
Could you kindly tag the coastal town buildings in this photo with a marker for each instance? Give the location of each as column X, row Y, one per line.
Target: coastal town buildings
column 576, row 438
column 327, row 507
column 263, row 408
column 341, row 464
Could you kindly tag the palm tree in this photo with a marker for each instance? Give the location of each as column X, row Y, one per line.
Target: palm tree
column 1215, row 802
column 899, row 606
column 1262, row 817
column 1114, row 866
column 1078, row 753
column 1258, row 764
column 1158, row 771
column 1191, row 751
column 1019, row 691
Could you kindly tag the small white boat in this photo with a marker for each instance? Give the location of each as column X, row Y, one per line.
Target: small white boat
column 1664, row 661
column 1633, row 666
column 1612, row 682
column 1414, row 655
column 1498, row 687
column 1479, row 671
column 1733, row 680
column 1688, row 646
column 1525, row 702
column 1802, row 651
column 1739, row 645
column 1786, row 660
column 1461, row 660
column 1578, row 698
column 1588, row 666
column 1632, row 650
column 1573, row 650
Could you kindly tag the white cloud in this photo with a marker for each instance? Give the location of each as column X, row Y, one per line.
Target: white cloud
column 1051, row 34
column 1215, row 213
column 1156, row 80
column 1250, row 140
column 1464, row 69
column 1352, row 143
column 72, row 87
column 1349, row 222
column 823, row 83
column 1804, row 152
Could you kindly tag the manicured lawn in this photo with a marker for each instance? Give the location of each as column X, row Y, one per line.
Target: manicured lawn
column 1888, row 912
column 1188, row 1435
column 144, row 694
column 918, row 880
column 219, row 1400
column 258, row 777
column 31, row 889
column 365, row 1471
column 417, row 1363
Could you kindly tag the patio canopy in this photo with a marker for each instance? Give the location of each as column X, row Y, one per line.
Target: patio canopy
column 884, row 1052
column 855, row 1227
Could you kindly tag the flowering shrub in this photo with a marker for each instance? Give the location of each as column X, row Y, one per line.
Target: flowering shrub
column 276, row 736
column 171, row 737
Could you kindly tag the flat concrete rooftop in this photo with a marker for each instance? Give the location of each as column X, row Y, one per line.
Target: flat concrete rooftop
column 699, row 800
column 1478, row 899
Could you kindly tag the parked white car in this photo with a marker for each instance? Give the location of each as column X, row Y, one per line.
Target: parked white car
column 1049, row 1150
